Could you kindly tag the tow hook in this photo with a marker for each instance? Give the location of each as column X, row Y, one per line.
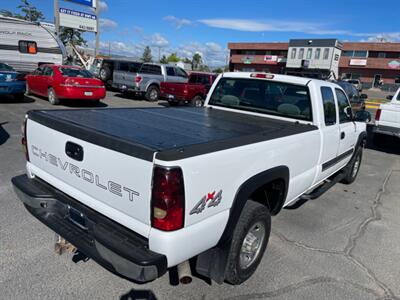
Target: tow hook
column 184, row 272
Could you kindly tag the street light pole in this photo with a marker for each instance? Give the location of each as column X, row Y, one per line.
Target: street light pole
column 96, row 52
column 57, row 16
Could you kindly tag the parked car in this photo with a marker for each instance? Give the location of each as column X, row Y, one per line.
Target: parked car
column 25, row 45
column 146, row 82
column 387, row 118
column 103, row 68
column 144, row 190
column 193, row 92
column 11, row 82
column 57, row 82
column 356, row 83
column 357, row 100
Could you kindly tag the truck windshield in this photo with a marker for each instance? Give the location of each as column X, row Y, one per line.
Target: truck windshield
column 72, row 72
column 263, row 96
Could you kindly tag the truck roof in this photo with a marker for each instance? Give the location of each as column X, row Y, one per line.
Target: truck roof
column 277, row 77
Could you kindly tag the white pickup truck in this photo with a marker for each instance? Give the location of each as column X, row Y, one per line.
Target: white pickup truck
column 387, row 118
column 143, row 190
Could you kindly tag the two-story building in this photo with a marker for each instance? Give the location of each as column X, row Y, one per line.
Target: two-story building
column 371, row 63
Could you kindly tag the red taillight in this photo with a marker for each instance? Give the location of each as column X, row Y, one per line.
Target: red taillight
column 138, row 79
column 186, row 91
column 262, row 75
column 24, row 140
column 168, row 198
column 378, row 114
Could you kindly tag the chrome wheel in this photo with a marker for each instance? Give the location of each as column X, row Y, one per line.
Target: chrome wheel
column 153, row 95
column 252, row 245
column 198, row 103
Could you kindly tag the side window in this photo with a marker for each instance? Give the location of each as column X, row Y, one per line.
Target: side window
column 27, row 47
column 329, row 105
column 123, row 66
column 326, row 53
column 170, row 71
column 294, row 50
column 317, row 53
column 309, row 53
column 343, row 105
column 301, row 53
column 181, row 73
column 193, row 79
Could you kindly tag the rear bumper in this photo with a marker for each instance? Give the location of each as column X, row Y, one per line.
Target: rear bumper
column 113, row 246
column 387, row 130
column 79, row 93
column 17, row 87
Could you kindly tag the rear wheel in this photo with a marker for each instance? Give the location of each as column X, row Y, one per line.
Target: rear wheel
column 353, row 167
column 51, row 94
column 152, row 93
column 249, row 241
column 197, row 101
column 105, row 73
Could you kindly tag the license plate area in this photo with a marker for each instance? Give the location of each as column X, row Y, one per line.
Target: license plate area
column 77, row 218
column 88, row 93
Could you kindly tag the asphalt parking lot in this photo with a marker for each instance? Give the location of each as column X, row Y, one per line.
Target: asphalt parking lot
column 345, row 245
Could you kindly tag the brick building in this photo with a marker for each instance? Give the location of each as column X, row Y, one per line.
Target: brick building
column 372, row 63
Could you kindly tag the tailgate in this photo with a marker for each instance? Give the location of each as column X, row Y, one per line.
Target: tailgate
column 390, row 115
column 124, row 78
column 172, row 88
column 115, row 184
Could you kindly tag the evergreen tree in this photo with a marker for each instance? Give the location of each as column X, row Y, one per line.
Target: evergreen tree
column 147, row 57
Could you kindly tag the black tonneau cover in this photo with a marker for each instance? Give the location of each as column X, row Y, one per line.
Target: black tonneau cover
column 174, row 133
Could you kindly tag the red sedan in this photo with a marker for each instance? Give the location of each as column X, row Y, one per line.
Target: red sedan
column 64, row 82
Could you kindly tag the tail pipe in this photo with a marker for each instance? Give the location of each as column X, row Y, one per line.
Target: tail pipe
column 184, row 272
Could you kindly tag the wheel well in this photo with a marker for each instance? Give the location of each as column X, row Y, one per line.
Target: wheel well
column 271, row 195
column 153, row 84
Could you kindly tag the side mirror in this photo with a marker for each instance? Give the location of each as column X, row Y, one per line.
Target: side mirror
column 362, row 116
column 364, row 96
column 390, row 97
column 348, row 111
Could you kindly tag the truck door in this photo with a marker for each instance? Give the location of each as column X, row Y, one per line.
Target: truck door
column 330, row 134
column 347, row 129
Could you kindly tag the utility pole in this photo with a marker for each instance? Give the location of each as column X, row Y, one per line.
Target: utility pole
column 96, row 52
column 57, row 16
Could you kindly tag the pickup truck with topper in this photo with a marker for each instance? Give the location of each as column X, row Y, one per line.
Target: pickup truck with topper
column 193, row 92
column 143, row 190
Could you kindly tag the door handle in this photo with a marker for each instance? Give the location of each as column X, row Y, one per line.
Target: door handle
column 342, row 135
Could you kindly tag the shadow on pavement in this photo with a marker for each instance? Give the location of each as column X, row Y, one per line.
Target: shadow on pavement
column 382, row 143
column 12, row 100
column 4, row 136
column 139, row 294
column 129, row 96
column 82, row 103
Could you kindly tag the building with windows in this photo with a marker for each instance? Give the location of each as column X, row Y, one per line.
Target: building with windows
column 374, row 64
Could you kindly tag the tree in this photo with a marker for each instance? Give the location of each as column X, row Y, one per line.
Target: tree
column 187, row 60
column 203, row 68
column 173, row 57
column 29, row 12
column 196, row 61
column 147, row 57
column 218, row 70
column 163, row 60
column 72, row 36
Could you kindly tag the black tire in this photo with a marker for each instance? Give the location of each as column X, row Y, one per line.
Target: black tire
column 105, row 74
column 19, row 97
column 152, row 93
column 253, row 214
column 197, row 101
column 353, row 167
column 52, row 96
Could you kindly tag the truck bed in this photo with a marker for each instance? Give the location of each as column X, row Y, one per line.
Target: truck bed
column 171, row 133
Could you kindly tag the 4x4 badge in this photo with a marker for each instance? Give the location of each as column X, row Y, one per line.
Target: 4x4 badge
column 210, row 200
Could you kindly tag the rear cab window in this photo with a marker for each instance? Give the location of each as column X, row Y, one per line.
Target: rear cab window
column 263, row 96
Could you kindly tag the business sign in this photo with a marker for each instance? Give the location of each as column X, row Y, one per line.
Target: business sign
column 272, row 58
column 394, row 64
column 91, row 3
column 358, row 62
column 247, row 60
column 78, row 20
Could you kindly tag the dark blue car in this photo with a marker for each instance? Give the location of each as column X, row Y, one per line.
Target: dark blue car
column 11, row 82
